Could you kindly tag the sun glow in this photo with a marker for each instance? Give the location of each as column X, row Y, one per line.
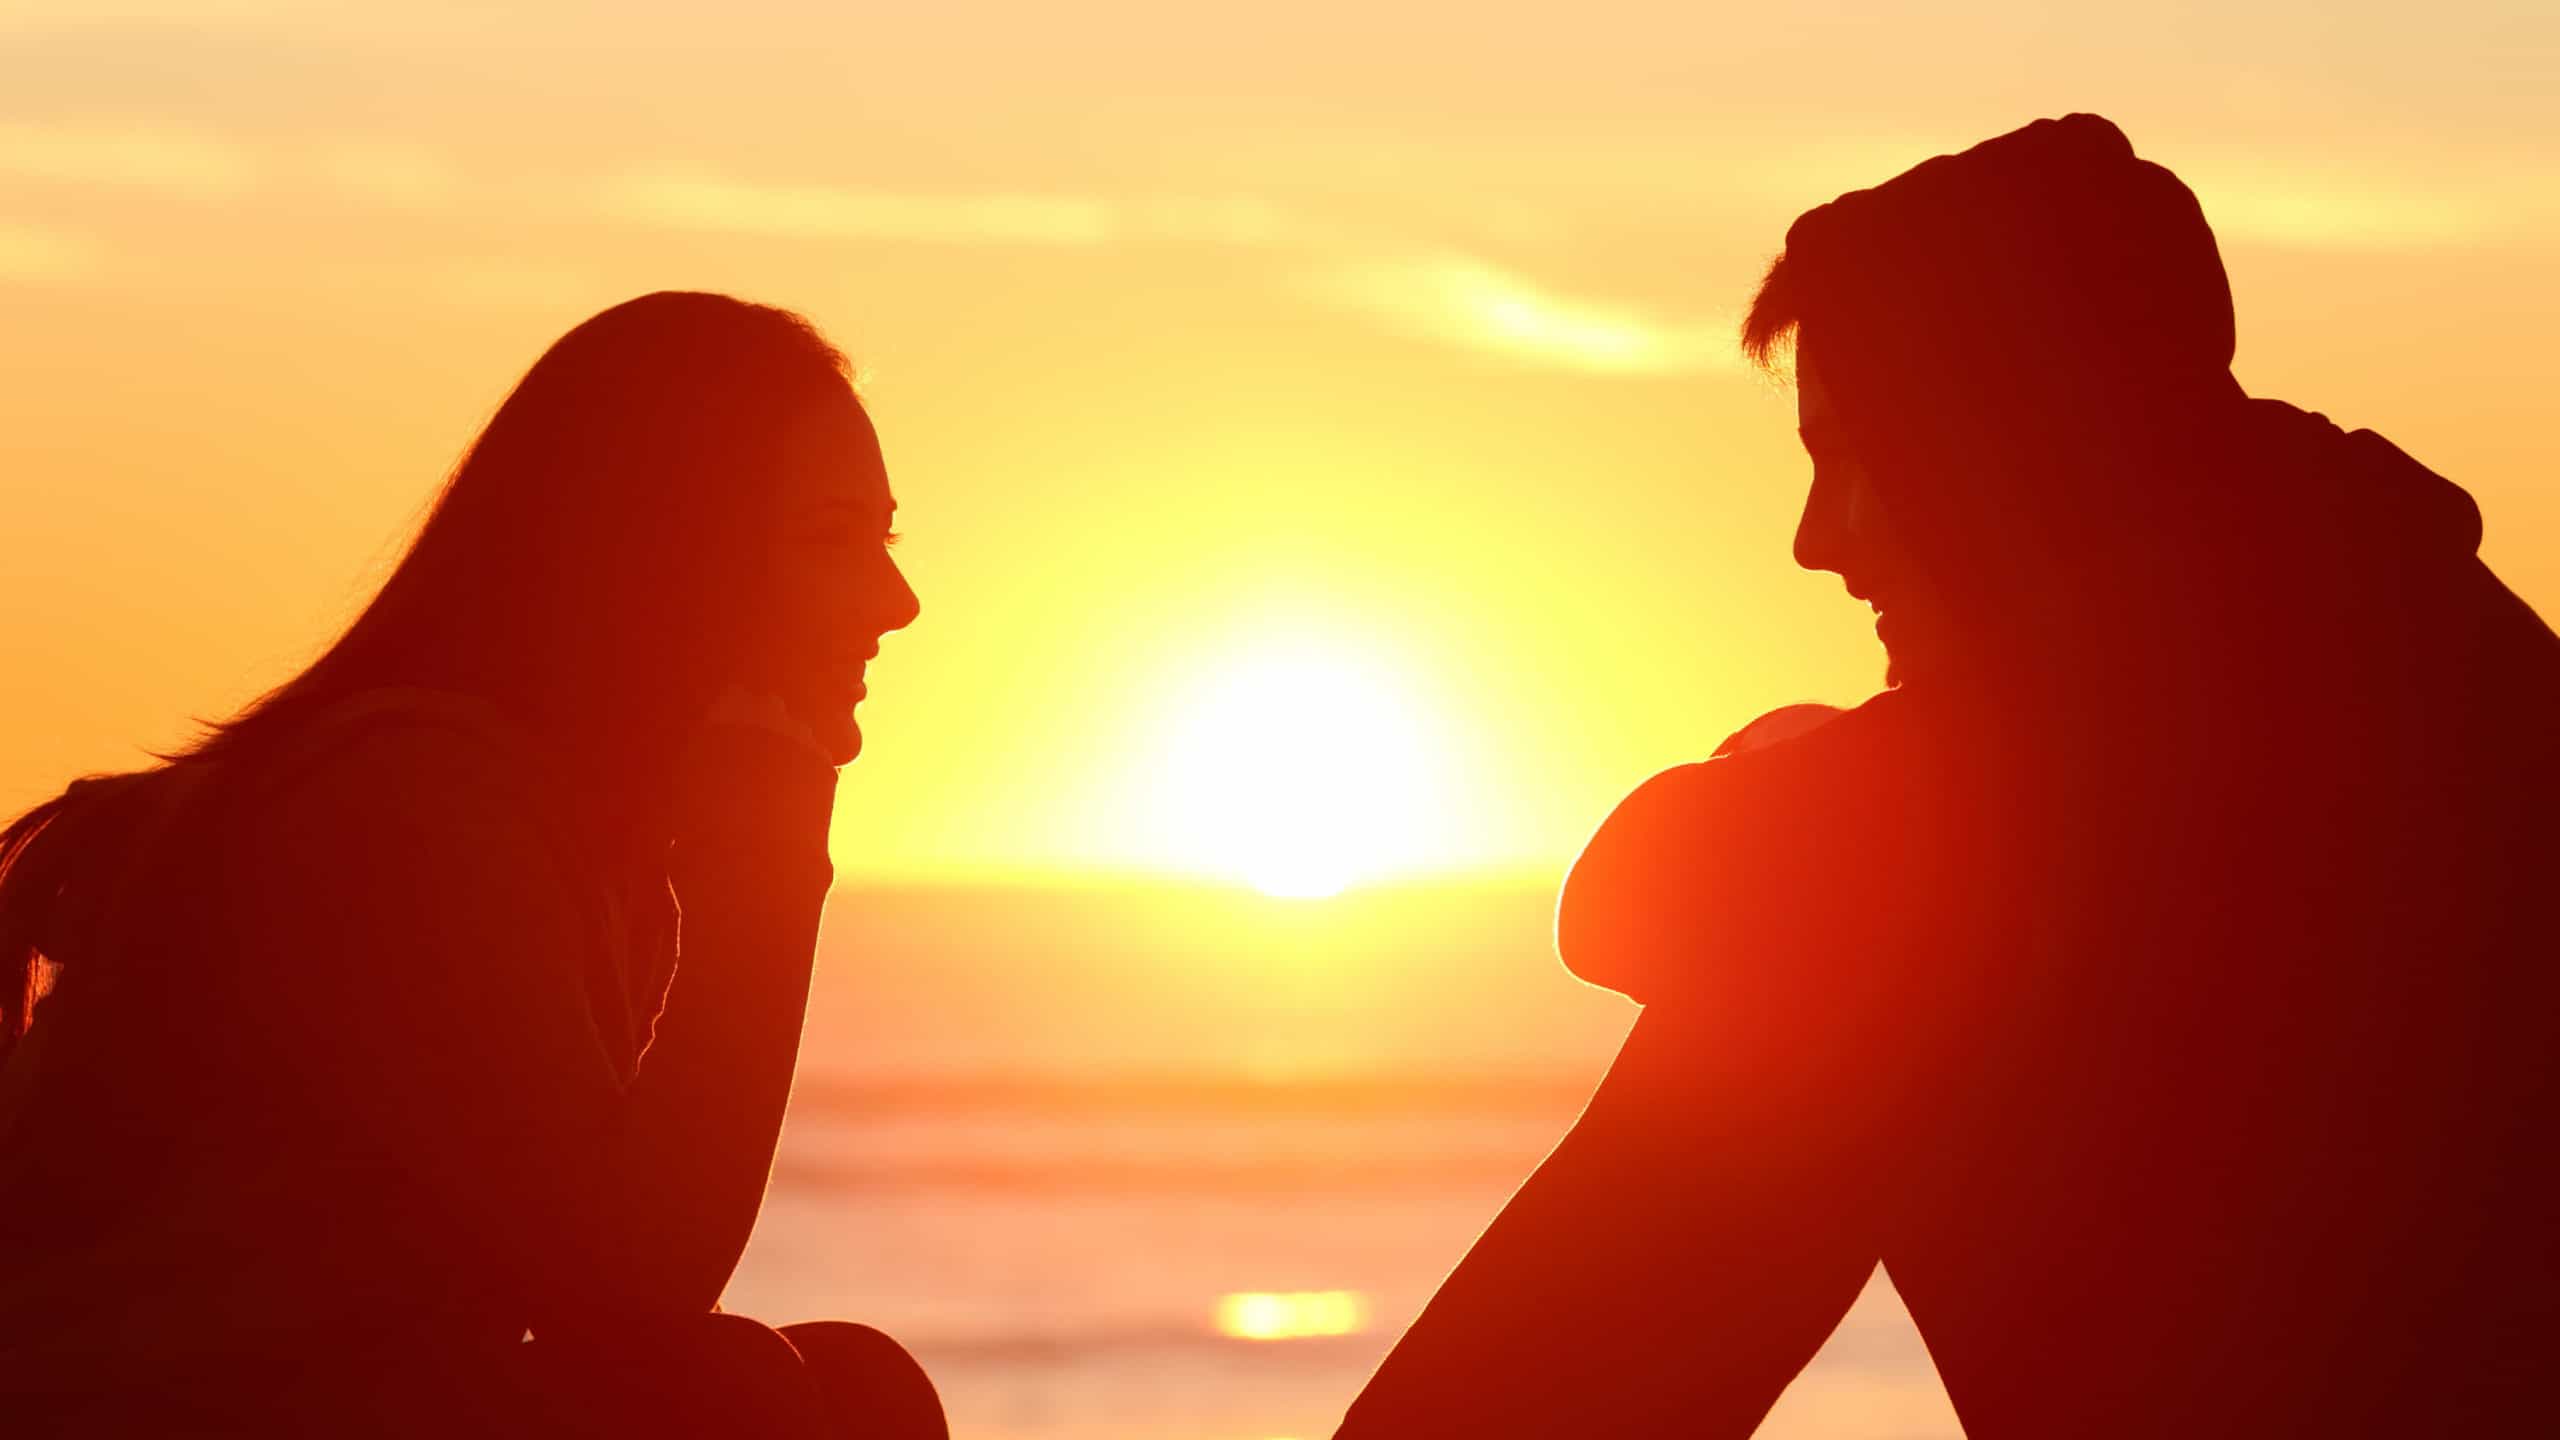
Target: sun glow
column 1291, row 1315
column 1299, row 769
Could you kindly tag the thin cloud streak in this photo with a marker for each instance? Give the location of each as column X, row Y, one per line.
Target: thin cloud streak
column 39, row 254
column 190, row 14
column 397, row 175
column 826, row 211
column 1468, row 302
column 1448, row 297
column 394, row 174
column 2314, row 217
column 155, row 159
column 833, row 212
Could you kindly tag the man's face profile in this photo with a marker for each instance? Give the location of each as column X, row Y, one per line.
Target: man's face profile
column 1846, row 531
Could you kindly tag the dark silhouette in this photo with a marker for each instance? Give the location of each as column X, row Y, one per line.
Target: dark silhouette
column 2158, row 980
column 352, row 1042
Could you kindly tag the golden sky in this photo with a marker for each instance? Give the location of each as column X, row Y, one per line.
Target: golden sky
column 1369, row 352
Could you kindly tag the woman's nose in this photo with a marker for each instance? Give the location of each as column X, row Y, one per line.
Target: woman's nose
column 903, row 606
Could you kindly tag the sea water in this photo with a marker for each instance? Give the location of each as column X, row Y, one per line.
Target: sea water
column 1054, row 1144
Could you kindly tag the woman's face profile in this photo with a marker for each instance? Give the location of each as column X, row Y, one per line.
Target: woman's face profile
column 830, row 587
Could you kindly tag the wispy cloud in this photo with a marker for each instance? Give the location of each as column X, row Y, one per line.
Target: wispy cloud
column 1445, row 296
column 2318, row 216
column 509, row 281
column 1010, row 217
column 395, row 174
column 1465, row 301
column 378, row 170
column 158, row 159
column 1234, row 220
column 20, row 15
column 36, row 253
column 837, row 212
column 1452, row 298
column 31, row 14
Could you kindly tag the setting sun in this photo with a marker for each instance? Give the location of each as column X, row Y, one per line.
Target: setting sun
column 1300, row 768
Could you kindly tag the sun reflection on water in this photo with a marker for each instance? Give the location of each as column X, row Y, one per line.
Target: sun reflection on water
column 1291, row 1315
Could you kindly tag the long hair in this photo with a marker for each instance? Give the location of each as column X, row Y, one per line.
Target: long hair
column 586, row 567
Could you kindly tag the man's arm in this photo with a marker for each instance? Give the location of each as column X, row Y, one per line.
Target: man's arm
column 1667, row 1271
column 1700, row 1232
column 1719, row 871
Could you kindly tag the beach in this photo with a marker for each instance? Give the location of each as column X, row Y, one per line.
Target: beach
column 1147, row 1179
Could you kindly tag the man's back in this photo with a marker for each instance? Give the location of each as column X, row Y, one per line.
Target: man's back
column 2180, row 1042
column 2240, row 1120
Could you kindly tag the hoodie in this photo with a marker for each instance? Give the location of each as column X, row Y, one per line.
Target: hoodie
column 2177, row 979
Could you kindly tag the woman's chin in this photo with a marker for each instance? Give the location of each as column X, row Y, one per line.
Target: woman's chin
column 842, row 739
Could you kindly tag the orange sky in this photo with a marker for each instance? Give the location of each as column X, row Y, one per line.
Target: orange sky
column 1392, row 336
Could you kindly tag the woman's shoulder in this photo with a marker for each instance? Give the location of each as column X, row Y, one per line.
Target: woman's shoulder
column 396, row 764
column 408, row 817
column 397, row 855
column 404, row 721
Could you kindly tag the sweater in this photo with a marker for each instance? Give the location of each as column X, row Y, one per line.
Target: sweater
column 368, row 1056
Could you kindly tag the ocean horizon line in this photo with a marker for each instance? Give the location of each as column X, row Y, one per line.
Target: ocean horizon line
column 1241, row 1091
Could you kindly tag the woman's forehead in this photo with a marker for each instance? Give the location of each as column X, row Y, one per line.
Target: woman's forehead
column 834, row 458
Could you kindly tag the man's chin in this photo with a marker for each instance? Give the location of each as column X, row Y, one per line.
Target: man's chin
column 1899, row 669
column 1907, row 651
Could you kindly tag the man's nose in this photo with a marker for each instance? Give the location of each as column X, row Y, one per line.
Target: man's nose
column 1822, row 531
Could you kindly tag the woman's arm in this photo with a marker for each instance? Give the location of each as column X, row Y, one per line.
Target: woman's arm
column 437, row 932
column 751, row 875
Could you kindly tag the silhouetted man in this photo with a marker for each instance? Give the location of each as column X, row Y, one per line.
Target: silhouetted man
column 2158, row 980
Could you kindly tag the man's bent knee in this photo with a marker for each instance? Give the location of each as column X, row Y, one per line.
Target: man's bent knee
column 705, row 1374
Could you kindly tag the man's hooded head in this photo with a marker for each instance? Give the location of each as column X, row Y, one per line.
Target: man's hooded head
column 2019, row 346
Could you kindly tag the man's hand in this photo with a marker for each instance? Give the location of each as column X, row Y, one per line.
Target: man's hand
column 1784, row 723
column 748, row 709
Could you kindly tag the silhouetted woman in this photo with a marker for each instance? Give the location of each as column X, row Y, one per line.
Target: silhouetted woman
column 360, row 1038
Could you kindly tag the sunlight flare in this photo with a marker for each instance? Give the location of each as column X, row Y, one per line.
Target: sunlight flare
column 1291, row 1315
column 1300, row 769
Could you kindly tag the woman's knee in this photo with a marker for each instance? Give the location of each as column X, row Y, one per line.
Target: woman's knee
column 755, row 1353
column 691, row 1375
column 868, row 1381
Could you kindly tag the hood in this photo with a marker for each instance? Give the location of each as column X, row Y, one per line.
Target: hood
column 2321, row 490
column 2029, row 343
